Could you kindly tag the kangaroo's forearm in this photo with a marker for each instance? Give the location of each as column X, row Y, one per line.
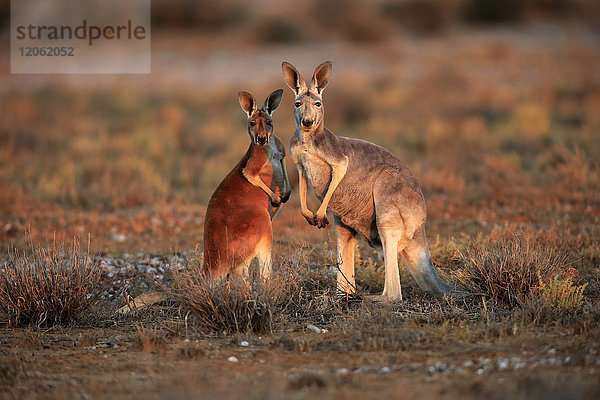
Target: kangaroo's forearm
column 256, row 181
column 302, row 191
column 337, row 174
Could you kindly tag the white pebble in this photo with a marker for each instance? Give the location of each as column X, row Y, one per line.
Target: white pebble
column 243, row 343
column 233, row 359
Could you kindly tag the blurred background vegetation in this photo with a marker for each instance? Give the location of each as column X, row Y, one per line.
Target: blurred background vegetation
column 493, row 101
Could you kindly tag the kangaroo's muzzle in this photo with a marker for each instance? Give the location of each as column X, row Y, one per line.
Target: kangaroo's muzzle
column 261, row 139
column 307, row 122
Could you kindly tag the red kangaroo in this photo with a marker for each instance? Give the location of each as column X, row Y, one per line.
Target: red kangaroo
column 238, row 228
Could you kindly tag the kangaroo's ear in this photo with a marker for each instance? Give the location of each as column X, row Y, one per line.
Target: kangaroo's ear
column 321, row 76
column 273, row 101
column 247, row 102
column 293, row 78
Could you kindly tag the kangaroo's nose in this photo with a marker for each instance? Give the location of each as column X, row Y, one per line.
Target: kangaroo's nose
column 262, row 139
column 307, row 122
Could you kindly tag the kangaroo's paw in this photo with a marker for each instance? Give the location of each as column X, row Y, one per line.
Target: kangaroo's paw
column 322, row 222
column 276, row 201
column 310, row 218
column 285, row 198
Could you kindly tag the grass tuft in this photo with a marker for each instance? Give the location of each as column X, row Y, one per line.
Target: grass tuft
column 50, row 286
column 509, row 270
column 251, row 304
column 561, row 293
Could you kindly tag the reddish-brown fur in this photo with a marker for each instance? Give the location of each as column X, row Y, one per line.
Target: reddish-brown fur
column 238, row 218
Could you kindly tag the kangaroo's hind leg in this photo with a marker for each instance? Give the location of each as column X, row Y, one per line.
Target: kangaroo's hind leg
column 346, row 247
column 389, row 240
column 263, row 255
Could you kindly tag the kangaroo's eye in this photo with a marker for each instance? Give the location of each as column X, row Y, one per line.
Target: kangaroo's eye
column 318, row 103
column 252, row 123
column 270, row 123
column 298, row 104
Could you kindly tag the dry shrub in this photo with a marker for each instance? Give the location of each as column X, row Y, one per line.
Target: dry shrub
column 532, row 120
column 293, row 294
column 501, row 175
column 559, row 300
column 48, row 287
column 230, row 305
column 150, row 340
column 441, row 180
column 573, row 171
column 561, row 293
column 509, row 271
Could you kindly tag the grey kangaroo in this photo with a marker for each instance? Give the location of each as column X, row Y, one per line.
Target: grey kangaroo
column 368, row 190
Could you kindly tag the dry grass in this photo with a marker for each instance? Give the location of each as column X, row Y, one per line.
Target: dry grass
column 561, row 293
column 49, row 286
column 150, row 340
column 511, row 271
column 505, row 271
column 251, row 304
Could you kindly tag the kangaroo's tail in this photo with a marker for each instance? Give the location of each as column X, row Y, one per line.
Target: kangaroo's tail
column 418, row 260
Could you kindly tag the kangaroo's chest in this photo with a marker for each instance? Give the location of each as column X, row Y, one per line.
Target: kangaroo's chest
column 316, row 171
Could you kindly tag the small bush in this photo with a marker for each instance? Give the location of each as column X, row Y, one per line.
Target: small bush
column 509, row 270
column 237, row 304
column 250, row 304
column 150, row 340
column 561, row 293
column 51, row 286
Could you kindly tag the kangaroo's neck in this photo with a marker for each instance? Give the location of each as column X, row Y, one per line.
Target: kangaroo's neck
column 308, row 136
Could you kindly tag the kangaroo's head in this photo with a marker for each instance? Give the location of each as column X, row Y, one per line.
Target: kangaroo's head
column 260, row 122
column 308, row 103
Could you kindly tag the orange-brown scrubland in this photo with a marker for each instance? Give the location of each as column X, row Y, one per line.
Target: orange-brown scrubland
column 495, row 109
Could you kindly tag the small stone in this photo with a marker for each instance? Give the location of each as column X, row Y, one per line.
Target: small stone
column 313, row 328
column 342, row 371
column 502, row 363
column 233, row 359
column 244, row 343
column 385, row 369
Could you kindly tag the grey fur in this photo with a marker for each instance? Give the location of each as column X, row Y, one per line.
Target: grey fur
column 369, row 191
